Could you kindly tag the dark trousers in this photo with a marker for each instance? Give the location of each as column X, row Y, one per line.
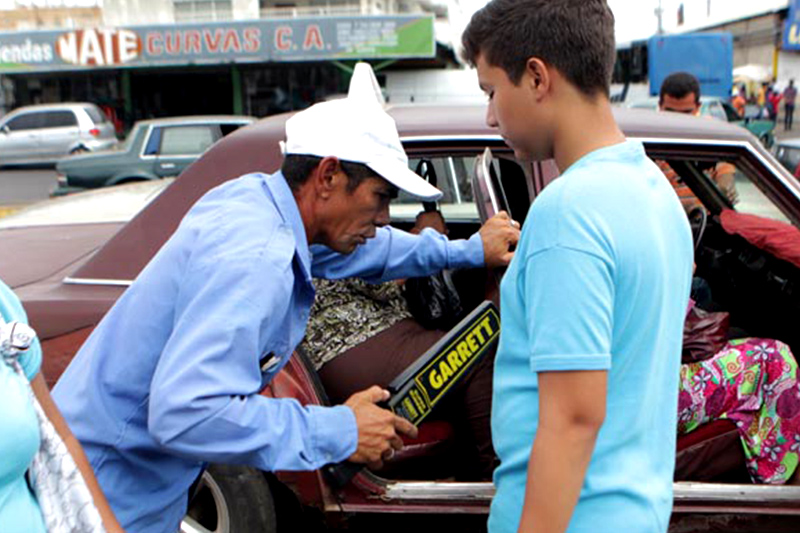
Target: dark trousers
column 788, row 117
column 379, row 359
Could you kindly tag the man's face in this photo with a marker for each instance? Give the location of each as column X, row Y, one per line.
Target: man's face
column 352, row 217
column 510, row 111
column 687, row 104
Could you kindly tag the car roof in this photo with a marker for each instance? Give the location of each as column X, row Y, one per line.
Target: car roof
column 255, row 148
column 46, row 107
column 789, row 143
column 428, row 121
column 194, row 119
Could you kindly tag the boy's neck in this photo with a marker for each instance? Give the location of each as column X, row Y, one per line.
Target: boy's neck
column 584, row 125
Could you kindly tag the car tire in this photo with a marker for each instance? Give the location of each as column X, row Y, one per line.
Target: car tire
column 79, row 150
column 231, row 499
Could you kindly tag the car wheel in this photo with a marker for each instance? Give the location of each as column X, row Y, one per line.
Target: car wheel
column 231, row 499
column 79, row 150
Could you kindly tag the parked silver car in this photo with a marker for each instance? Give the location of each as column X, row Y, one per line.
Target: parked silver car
column 45, row 133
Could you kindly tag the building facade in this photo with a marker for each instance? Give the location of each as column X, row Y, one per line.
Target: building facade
column 152, row 58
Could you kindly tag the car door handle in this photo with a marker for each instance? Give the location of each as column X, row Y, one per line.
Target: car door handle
column 167, row 165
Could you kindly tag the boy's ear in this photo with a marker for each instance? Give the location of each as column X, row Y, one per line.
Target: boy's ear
column 538, row 76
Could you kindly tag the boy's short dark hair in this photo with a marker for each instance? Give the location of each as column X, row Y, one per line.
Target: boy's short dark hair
column 576, row 37
column 296, row 168
column 678, row 85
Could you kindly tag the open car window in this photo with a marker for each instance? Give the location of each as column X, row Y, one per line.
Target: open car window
column 719, row 183
column 454, row 175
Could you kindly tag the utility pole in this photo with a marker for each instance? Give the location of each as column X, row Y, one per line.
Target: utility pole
column 659, row 13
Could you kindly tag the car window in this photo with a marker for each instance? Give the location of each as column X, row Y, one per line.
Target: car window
column 28, row 121
column 230, row 128
column 58, row 119
column 153, row 142
column 454, row 179
column 715, row 110
column 728, row 176
column 731, row 113
column 752, row 200
column 97, row 116
column 186, row 140
column 789, row 156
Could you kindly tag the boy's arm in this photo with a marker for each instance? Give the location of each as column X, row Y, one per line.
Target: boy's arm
column 572, row 407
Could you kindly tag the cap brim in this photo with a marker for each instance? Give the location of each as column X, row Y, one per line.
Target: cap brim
column 404, row 179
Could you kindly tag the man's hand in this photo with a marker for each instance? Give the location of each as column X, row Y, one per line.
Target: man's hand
column 429, row 219
column 499, row 233
column 378, row 429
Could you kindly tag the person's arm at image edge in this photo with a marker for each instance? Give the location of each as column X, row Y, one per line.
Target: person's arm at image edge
column 54, row 415
column 572, row 407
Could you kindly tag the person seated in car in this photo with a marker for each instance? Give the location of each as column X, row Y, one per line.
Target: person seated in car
column 362, row 334
column 680, row 93
column 752, row 382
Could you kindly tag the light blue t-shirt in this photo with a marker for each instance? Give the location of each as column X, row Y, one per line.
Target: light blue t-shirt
column 600, row 281
column 19, row 432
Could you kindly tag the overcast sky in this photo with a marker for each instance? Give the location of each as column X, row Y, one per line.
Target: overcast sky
column 636, row 19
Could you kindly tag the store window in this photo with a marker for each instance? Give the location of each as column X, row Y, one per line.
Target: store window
column 202, row 10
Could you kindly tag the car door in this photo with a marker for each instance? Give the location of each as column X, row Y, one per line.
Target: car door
column 19, row 139
column 181, row 145
column 59, row 132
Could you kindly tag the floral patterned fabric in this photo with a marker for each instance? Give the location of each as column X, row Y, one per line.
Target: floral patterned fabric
column 752, row 382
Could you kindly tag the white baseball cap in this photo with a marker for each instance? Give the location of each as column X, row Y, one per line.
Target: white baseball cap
column 357, row 129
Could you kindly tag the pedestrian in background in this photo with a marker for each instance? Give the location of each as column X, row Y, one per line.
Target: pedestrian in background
column 789, row 97
column 593, row 303
column 773, row 102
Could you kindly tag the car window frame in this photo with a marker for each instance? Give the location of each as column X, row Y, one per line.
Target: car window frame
column 774, row 181
column 27, row 114
column 70, row 112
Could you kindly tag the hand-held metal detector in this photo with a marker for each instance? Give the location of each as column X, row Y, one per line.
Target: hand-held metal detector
column 421, row 386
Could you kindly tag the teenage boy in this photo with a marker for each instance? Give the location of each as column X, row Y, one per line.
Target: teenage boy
column 586, row 375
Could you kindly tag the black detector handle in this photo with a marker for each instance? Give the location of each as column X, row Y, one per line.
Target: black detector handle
column 425, row 170
column 421, row 386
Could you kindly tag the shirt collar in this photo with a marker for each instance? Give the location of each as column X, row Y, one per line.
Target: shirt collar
column 287, row 206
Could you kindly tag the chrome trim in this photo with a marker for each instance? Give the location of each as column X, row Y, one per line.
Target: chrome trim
column 432, row 490
column 437, row 138
column 689, row 492
column 685, row 492
column 98, row 281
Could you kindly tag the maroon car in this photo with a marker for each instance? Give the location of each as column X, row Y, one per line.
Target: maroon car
column 69, row 274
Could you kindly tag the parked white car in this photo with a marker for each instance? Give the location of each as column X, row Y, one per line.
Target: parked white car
column 45, row 133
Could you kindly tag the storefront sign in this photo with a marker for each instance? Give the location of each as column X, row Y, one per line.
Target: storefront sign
column 316, row 39
column 791, row 29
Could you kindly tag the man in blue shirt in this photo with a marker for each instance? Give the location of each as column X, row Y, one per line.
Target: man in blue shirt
column 586, row 373
column 170, row 379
